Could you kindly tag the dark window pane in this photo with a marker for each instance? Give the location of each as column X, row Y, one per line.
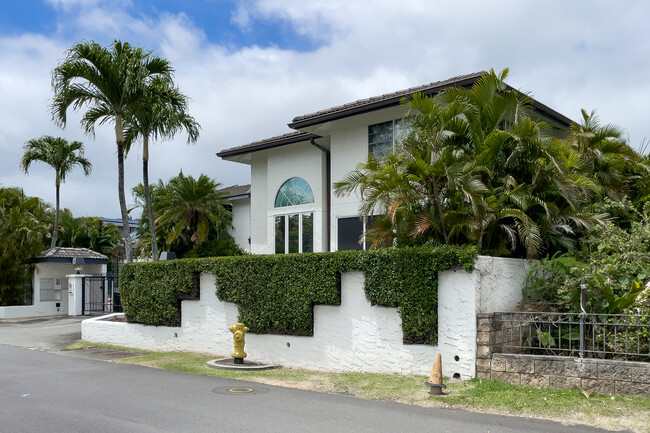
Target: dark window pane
column 349, row 233
column 279, row 234
column 294, row 230
column 307, row 232
column 380, row 139
column 403, row 127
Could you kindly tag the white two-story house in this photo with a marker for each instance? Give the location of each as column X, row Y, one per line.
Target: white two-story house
column 290, row 206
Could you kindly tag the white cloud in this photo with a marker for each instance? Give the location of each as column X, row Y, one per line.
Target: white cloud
column 241, row 18
column 568, row 54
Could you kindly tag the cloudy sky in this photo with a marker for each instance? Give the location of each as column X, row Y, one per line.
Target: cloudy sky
column 250, row 66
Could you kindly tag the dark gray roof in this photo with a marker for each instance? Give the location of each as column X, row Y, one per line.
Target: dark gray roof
column 62, row 254
column 267, row 143
column 371, row 104
column 381, row 101
column 236, row 191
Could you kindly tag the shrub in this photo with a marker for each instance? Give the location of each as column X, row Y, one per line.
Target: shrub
column 614, row 262
column 276, row 293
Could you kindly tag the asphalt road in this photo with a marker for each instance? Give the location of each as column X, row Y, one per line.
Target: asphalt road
column 51, row 333
column 45, row 392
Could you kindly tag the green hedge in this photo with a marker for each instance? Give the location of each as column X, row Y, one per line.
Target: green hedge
column 151, row 293
column 276, row 293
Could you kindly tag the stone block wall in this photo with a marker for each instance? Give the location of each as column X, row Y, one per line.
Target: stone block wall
column 598, row 375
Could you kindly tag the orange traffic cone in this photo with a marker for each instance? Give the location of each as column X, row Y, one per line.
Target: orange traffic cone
column 435, row 377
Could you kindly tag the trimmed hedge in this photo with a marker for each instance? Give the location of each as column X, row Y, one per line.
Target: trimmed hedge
column 276, row 293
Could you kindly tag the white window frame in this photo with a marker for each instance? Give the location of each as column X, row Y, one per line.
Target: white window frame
column 300, row 230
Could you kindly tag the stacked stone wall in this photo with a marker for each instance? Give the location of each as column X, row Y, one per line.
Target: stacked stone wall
column 597, row 375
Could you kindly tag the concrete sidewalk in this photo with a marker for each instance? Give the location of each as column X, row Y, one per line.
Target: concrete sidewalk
column 50, row 333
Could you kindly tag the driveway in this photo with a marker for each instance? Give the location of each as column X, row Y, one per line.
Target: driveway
column 50, row 333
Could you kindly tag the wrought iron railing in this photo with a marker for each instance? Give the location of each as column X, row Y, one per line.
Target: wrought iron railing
column 611, row 336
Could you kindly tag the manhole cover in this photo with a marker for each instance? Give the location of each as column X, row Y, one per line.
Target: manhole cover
column 233, row 390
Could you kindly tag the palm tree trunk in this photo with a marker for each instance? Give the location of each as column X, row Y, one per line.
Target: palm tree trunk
column 147, row 197
column 55, row 234
column 439, row 211
column 128, row 247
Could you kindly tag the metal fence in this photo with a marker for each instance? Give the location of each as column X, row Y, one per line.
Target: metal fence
column 100, row 293
column 611, row 336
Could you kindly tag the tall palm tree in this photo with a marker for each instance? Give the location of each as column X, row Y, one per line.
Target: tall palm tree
column 62, row 156
column 108, row 82
column 195, row 204
column 161, row 113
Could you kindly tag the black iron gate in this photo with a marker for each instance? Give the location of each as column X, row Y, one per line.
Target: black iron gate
column 101, row 293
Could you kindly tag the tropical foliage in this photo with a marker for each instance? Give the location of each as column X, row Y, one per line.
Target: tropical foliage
column 91, row 233
column 62, row 156
column 615, row 264
column 25, row 230
column 479, row 168
column 161, row 113
column 108, row 83
column 190, row 218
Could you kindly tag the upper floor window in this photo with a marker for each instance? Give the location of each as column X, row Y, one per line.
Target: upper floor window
column 383, row 136
column 293, row 192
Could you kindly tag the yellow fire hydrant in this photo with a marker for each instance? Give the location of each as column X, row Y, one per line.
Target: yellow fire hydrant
column 238, row 330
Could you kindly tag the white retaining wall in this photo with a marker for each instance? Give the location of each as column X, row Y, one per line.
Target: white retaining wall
column 354, row 336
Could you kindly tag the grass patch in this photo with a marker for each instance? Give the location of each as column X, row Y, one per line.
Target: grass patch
column 87, row 345
column 608, row 411
column 488, row 396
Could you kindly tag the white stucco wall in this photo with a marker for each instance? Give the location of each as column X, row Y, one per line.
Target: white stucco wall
column 57, row 272
column 241, row 223
column 259, row 192
column 349, row 147
column 269, row 170
column 354, row 336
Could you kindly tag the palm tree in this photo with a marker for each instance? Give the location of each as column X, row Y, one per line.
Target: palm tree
column 62, row 156
column 109, row 82
column 195, row 204
column 161, row 113
column 429, row 187
column 606, row 155
column 477, row 168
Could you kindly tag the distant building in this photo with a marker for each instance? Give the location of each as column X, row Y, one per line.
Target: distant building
column 133, row 224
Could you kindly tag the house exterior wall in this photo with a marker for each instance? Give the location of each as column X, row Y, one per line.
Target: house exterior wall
column 241, row 223
column 349, row 147
column 259, row 192
column 270, row 169
column 49, row 271
column 354, row 336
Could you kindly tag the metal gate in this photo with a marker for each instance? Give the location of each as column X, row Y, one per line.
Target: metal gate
column 100, row 293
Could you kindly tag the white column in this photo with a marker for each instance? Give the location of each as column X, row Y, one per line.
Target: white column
column 75, row 293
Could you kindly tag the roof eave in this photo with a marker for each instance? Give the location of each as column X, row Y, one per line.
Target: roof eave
column 224, row 154
column 377, row 105
column 87, row 261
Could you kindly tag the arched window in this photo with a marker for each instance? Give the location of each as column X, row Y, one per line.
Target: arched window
column 293, row 192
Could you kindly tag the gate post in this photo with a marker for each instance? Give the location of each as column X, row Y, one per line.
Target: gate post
column 75, row 294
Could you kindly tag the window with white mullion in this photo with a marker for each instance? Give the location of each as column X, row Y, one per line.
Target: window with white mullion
column 294, row 233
